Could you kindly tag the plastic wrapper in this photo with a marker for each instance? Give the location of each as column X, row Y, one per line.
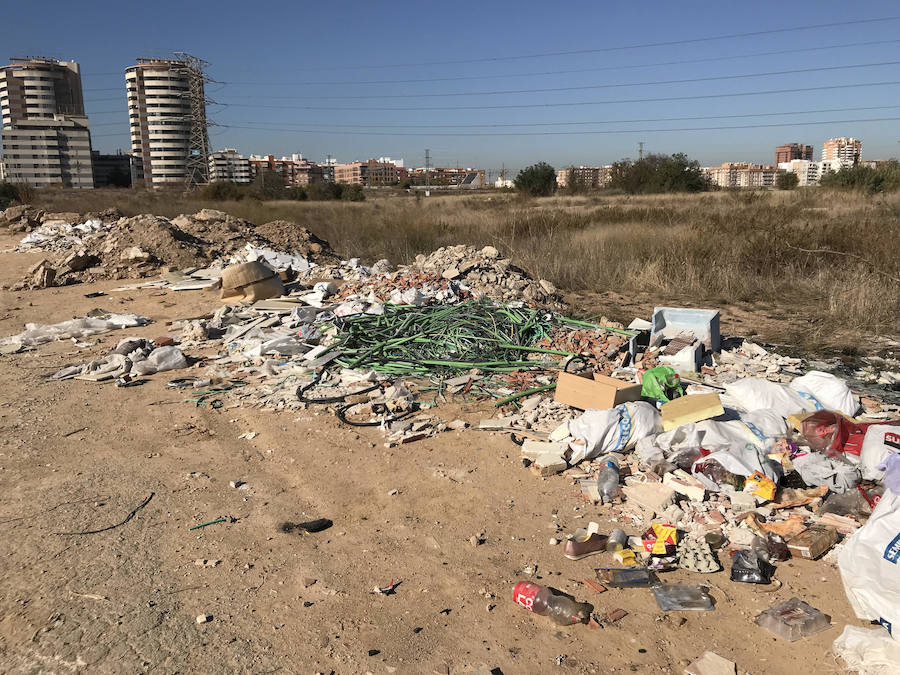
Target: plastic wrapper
column 673, row 597
column 747, row 567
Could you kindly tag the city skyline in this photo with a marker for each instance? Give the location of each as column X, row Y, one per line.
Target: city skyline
column 514, row 87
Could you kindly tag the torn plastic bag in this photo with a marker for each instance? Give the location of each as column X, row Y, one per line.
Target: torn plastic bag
column 870, row 565
column 38, row 334
column 836, row 474
column 159, row 360
column 754, row 393
column 878, row 444
column 832, row 433
column 868, row 651
column 597, row 432
column 114, row 364
column 831, row 392
column 739, row 460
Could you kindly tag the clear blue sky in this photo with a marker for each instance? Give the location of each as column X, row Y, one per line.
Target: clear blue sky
column 278, row 63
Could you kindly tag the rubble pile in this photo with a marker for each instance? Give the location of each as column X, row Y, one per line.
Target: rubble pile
column 285, row 235
column 451, row 274
column 111, row 247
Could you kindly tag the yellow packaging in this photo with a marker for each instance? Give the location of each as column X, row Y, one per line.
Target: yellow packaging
column 625, row 556
column 760, row 485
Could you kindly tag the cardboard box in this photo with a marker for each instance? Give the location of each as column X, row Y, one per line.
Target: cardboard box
column 597, row 393
column 692, row 408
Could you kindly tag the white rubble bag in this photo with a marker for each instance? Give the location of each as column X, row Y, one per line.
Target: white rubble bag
column 597, row 432
column 868, row 651
column 755, row 393
column 880, row 441
column 830, row 391
column 870, row 565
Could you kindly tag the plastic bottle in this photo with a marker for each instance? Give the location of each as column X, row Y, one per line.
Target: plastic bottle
column 542, row 600
column 616, row 541
column 608, row 482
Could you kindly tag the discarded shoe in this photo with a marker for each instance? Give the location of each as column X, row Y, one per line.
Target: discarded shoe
column 585, row 542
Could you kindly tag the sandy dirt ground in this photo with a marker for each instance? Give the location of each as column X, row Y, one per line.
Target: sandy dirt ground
column 78, row 456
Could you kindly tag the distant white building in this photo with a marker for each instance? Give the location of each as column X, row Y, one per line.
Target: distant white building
column 229, row 166
column 387, row 160
column 502, row 183
column 810, row 173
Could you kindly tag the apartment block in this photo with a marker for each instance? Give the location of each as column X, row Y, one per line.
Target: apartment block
column 369, row 173
column 167, row 114
column 229, row 166
column 741, row 175
column 45, row 135
column 455, row 177
column 294, row 170
column 845, row 150
column 792, row 151
column 810, row 173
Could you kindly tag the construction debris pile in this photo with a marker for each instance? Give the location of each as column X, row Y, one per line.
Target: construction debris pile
column 450, row 274
column 106, row 246
column 715, row 454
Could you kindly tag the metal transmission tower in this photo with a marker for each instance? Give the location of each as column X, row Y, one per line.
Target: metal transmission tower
column 640, row 150
column 427, row 180
column 197, row 164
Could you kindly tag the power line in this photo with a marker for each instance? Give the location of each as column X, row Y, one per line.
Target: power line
column 694, row 97
column 579, row 122
column 502, row 92
column 604, row 50
column 577, row 133
column 494, row 76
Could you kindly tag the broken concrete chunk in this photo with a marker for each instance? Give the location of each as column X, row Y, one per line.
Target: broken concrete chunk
column 651, row 496
column 711, row 664
column 685, row 484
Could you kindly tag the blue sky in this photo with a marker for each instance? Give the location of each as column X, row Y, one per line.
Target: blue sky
column 287, row 74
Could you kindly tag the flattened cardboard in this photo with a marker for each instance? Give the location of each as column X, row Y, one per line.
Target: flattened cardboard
column 597, row 393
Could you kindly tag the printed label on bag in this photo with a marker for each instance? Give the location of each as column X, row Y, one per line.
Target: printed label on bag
column 892, row 552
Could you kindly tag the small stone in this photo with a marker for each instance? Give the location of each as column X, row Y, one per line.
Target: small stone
column 308, row 581
column 374, row 652
column 554, row 541
column 393, row 492
column 204, row 618
column 616, row 614
column 236, row 483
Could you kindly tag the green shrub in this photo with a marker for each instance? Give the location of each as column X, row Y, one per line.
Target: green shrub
column 8, row 194
column 537, row 180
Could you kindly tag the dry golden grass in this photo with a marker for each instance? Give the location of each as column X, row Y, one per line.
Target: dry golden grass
column 827, row 258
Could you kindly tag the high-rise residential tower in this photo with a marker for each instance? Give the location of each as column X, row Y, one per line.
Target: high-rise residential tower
column 45, row 134
column 792, row 151
column 845, row 150
column 167, row 114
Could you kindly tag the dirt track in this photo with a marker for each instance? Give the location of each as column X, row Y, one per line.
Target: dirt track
column 125, row 600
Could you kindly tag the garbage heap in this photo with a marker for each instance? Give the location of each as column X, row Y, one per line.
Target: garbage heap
column 86, row 247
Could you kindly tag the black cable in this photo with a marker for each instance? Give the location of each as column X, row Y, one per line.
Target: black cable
column 573, row 133
column 548, row 90
column 494, row 76
column 301, row 391
column 633, row 120
column 695, row 97
column 342, row 416
column 599, row 50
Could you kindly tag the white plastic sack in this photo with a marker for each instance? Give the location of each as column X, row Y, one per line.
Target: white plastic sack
column 880, row 441
column 755, row 393
column 161, row 359
column 868, row 651
column 597, row 432
column 830, row 391
column 38, row 334
column 870, row 565
column 817, row 469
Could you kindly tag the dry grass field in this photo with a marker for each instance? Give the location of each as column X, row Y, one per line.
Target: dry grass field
column 822, row 263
